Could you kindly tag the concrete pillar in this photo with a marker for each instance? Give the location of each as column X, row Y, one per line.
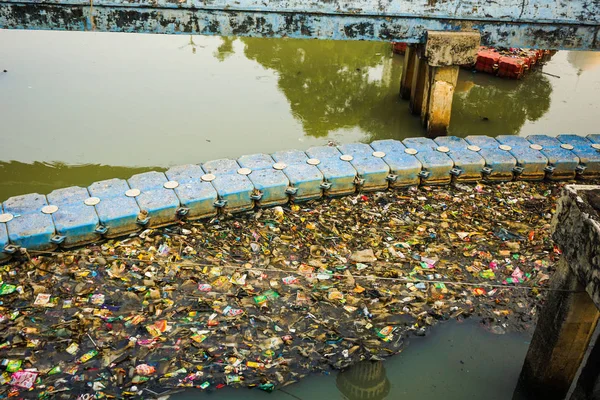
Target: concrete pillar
column 408, row 71
column 427, row 71
column 587, row 385
column 569, row 317
column 418, row 85
column 442, row 81
column 565, row 326
column 431, row 72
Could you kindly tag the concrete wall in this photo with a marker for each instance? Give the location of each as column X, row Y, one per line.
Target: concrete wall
column 512, row 23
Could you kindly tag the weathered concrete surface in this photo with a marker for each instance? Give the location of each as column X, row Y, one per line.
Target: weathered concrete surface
column 443, row 81
column 588, row 383
column 512, row 23
column 451, row 48
column 433, row 70
column 418, row 85
column 408, row 72
column 570, row 314
column 561, row 338
column 576, row 231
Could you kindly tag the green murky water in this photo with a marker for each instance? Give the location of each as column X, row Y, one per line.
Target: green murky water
column 456, row 361
column 80, row 107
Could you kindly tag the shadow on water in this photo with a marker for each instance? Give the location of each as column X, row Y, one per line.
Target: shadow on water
column 41, row 177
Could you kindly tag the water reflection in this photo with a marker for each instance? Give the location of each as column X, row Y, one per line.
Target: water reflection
column 225, row 50
column 584, row 60
column 344, row 85
column 498, row 108
column 337, row 86
column 188, row 99
column 365, row 380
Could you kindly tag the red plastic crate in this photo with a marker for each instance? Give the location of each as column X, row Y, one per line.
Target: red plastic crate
column 511, row 67
column 488, row 57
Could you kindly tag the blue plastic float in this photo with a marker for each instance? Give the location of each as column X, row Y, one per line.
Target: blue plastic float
column 75, row 216
column 436, row 165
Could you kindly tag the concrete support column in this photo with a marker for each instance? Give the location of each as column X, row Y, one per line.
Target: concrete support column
column 442, row 81
column 565, row 326
column 408, row 72
column 588, row 383
column 431, row 72
column 417, row 90
column 560, row 349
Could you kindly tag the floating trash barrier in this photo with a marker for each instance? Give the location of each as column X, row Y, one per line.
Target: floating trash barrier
column 76, row 216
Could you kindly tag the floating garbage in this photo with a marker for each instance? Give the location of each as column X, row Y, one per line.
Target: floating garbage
column 264, row 298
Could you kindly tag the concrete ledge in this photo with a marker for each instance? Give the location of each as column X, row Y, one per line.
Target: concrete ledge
column 444, row 49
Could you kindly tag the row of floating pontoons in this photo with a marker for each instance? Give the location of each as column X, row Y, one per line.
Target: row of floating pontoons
column 75, row 216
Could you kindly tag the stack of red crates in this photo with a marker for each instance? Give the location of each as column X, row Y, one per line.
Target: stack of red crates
column 511, row 67
column 487, row 60
column 507, row 63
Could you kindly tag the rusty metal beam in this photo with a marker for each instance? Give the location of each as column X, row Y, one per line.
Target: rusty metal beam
column 549, row 24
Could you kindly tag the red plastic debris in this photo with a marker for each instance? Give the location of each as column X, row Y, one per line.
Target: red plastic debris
column 399, row 47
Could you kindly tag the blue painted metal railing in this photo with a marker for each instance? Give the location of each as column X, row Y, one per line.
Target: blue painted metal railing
column 75, row 216
column 547, row 24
